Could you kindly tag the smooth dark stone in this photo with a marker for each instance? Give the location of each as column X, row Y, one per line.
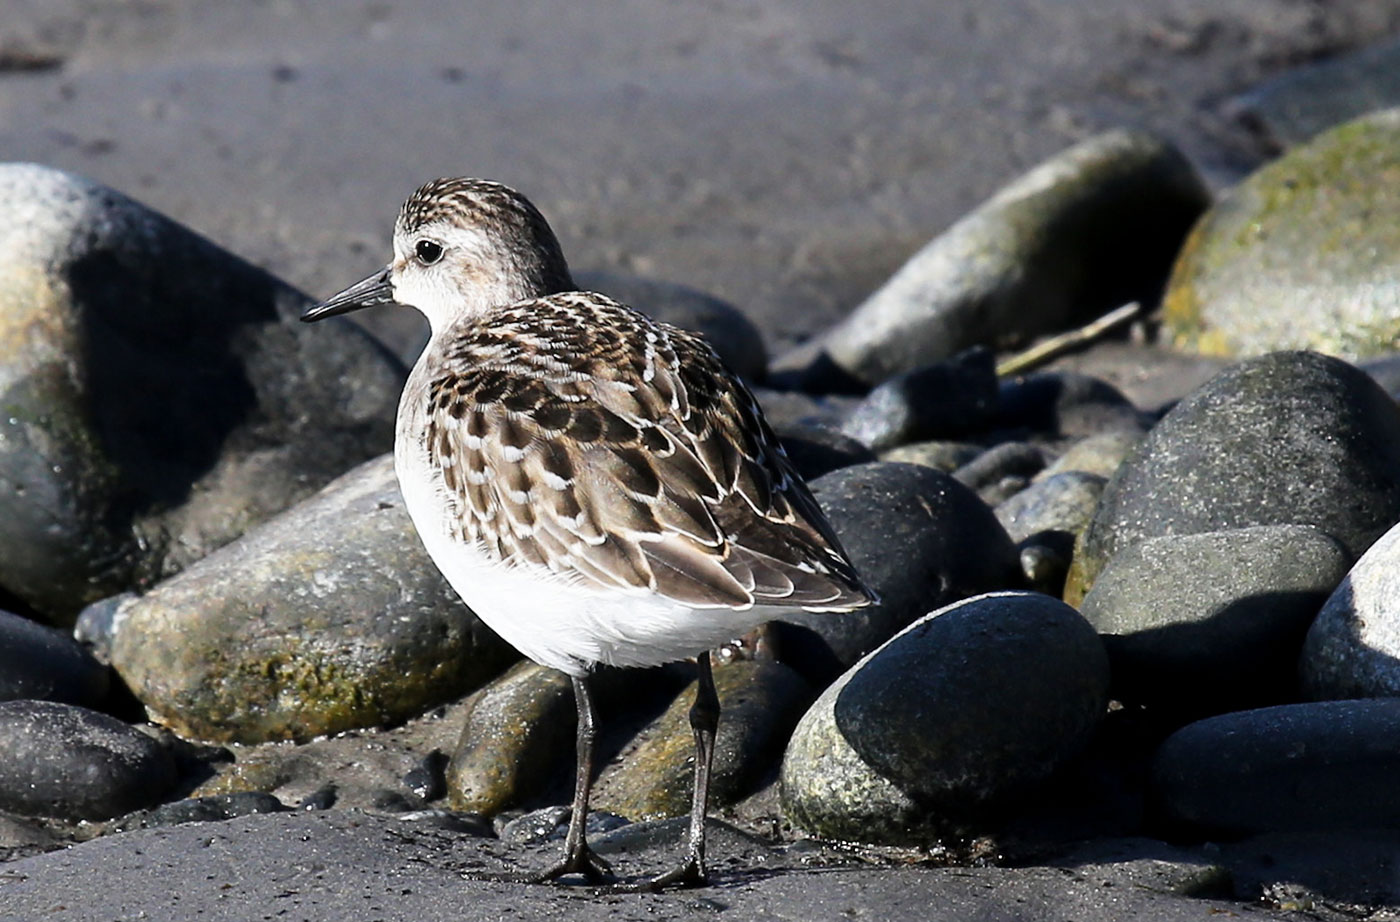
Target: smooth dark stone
column 968, row 709
column 67, row 762
column 1315, row 766
column 1065, row 403
column 919, row 538
column 939, row 401
column 48, row 664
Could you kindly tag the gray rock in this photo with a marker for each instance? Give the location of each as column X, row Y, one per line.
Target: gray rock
column 1352, row 649
column 329, row 617
column 733, row 334
column 1066, row 403
column 1063, row 503
column 201, row 810
column 1320, row 765
column 965, row 710
column 1002, row 471
column 1298, row 256
column 920, row 538
column 551, row 824
column 66, row 762
column 159, row 396
column 939, row 455
column 1088, row 230
column 787, row 409
column 816, row 449
column 1285, row 438
column 760, row 703
column 942, row 400
column 1304, row 101
column 1213, row 622
column 46, row 663
column 1098, row 454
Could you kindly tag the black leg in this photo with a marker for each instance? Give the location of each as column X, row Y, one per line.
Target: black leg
column 704, row 720
column 578, row 858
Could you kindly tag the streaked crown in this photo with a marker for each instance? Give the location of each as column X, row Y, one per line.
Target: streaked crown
column 463, row 246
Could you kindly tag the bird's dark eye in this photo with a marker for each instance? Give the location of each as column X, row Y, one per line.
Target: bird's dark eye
column 428, row 251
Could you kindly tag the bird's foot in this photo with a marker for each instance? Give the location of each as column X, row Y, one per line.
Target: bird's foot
column 689, row 873
column 587, row 863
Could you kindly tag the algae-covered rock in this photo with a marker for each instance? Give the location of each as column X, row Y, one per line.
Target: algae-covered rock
column 1301, row 255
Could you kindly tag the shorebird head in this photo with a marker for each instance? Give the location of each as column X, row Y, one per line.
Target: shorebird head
column 461, row 247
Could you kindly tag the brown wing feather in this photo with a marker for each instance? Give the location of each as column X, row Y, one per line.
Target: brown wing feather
column 574, row 433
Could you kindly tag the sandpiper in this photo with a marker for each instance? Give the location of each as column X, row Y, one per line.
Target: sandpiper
column 595, row 485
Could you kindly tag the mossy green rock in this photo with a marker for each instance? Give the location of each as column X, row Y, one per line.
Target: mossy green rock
column 760, row 702
column 157, row 395
column 1301, row 255
column 329, row 617
column 519, row 730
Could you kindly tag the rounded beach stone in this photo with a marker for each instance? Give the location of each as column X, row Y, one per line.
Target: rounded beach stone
column 45, row 663
column 940, row 400
column 1352, row 649
column 1213, row 622
column 1285, row 438
column 1086, row 231
column 329, row 617
column 1063, row 503
column 760, row 703
column 160, row 396
column 1318, row 765
column 1300, row 254
column 519, row 730
column 919, row 538
column 1100, row 454
column 965, row 710
column 1066, row 403
column 66, row 762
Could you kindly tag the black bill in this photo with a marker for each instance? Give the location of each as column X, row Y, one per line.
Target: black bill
column 365, row 293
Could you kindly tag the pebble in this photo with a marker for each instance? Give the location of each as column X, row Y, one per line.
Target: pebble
column 1299, row 254
column 1313, row 766
column 66, row 762
column 1061, row 503
column 327, row 618
column 1002, row 471
column 1100, row 454
column 201, row 810
column 972, row 706
column 48, row 664
column 939, row 455
column 207, row 409
column 1066, row 404
column 1212, row 622
column 937, row 401
column 919, row 537
column 1285, row 438
column 1093, row 228
column 1352, row 649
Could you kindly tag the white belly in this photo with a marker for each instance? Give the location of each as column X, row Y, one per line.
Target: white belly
column 550, row 619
